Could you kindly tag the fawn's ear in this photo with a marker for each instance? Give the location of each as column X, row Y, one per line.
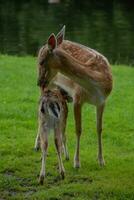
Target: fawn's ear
column 60, row 36
column 52, row 42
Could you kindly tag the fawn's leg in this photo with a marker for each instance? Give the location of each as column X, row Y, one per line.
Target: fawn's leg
column 77, row 116
column 100, row 110
column 58, row 144
column 44, row 146
column 37, row 140
column 63, row 129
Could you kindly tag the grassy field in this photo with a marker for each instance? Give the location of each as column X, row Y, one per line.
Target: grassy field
column 20, row 165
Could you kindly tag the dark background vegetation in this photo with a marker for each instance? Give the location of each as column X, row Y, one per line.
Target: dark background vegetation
column 107, row 26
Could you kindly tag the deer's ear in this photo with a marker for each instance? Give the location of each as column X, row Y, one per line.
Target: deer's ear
column 52, row 42
column 61, row 35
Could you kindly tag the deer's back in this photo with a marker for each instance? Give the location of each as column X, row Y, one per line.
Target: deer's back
column 92, row 60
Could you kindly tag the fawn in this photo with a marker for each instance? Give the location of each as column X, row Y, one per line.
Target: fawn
column 52, row 115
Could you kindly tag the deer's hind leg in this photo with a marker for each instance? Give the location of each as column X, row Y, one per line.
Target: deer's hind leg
column 99, row 112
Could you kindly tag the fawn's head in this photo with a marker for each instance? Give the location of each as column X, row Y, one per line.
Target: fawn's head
column 47, row 60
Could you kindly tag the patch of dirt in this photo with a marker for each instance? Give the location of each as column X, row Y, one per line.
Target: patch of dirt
column 80, row 179
column 54, row 181
column 30, row 192
column 27, row 182
column 8, row 172
column 69, row 194
column 12, row 192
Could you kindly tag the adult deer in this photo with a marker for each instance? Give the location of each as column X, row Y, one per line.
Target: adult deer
column 83, row 72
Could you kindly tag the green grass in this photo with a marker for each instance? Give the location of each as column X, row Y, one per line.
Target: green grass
column 20, row 165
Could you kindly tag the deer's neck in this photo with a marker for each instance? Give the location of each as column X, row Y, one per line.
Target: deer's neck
column 75, row 70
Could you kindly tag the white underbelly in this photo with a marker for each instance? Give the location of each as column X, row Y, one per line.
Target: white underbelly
column 66, row 84
column 93, row 96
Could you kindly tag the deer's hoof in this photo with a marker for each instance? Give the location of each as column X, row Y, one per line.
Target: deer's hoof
column 77, row 164
column 67, row 157
column 62, row 174
column 101, row 162
column 41, row 180
column 36, row 148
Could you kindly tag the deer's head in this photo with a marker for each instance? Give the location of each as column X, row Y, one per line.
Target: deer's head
column 47, row 59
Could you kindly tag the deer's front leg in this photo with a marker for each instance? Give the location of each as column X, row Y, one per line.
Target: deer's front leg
column 100, row 110
column 44, row 146
column 77, row 116
column 58, row 144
